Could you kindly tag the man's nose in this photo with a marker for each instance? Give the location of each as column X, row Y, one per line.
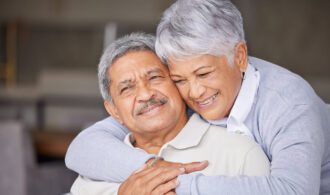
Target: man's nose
column 196, row 90
column 144, row 92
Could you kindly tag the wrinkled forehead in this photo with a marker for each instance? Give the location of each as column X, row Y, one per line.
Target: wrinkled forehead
column 136, row 65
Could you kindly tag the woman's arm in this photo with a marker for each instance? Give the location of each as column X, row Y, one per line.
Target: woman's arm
column 98, row 152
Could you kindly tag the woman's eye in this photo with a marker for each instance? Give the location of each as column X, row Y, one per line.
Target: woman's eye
column 178, row 81
column 203, row 75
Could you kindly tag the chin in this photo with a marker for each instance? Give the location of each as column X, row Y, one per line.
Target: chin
column 212, row 116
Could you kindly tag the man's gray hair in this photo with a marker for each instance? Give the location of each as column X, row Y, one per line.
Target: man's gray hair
column 197, row 27
column 123, row 45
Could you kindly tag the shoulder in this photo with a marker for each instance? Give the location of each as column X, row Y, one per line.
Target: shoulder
column 280, row 88
column 284, row 100
column 284, row 84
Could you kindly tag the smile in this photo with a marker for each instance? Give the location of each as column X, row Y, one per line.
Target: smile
column 208, row 101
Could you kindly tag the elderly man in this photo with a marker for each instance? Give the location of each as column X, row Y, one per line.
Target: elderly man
column 203, row 43
column 139, row 93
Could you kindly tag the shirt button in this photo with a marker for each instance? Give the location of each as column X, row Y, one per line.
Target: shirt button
column 238, row 132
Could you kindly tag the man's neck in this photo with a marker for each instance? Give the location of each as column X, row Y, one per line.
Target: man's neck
column 152, row 142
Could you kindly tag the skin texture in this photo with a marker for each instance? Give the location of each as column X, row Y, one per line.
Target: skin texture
column 209, row 84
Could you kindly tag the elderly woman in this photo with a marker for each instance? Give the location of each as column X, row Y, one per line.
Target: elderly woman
column 202, row 41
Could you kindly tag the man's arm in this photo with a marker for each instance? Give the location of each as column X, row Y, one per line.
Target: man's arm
column 99, row 153
column 296, row 150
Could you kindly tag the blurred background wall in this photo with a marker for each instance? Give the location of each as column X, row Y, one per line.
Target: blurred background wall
column 49, row 51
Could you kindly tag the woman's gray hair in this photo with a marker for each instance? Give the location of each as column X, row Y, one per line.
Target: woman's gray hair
column 197, row 27
column 123, row 45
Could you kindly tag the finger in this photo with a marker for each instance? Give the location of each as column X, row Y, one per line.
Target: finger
column 170, row 193
column 145, row 171
column 141, row 169
column 140, row 178
column 165, row 175
column 166, row 188
column 144, row 177
column 195, row 166
column 147, row 180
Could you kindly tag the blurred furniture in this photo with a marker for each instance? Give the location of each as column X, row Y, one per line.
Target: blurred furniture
column 20, row 174
column 62, row 100
column 13, row 160
column 52, row 144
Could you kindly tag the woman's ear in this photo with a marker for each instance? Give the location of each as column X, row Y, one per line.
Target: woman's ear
column 112, row 110
column 241, row 56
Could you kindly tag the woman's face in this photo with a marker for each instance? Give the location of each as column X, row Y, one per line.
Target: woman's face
column 208, row 84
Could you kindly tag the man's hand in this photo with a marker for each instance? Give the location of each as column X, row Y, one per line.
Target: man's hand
column 159, row 179
column 151, row 181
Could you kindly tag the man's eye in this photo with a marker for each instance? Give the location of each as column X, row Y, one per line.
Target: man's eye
column 124, row 90
column 154, row 77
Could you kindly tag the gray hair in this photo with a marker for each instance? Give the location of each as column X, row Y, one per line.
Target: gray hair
column 197, row 27
column 123, row 45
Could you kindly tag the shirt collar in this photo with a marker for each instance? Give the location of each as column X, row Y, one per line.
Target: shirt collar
column 243, row 104
column 189, row 136
column 129, row 140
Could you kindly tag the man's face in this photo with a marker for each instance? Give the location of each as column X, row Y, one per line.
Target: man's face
column 144, row 97
column 209, row 84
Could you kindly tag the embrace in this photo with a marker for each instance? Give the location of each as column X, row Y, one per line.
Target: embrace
column 192, row 113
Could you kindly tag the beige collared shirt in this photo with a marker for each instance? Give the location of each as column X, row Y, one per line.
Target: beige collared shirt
column 228, row 154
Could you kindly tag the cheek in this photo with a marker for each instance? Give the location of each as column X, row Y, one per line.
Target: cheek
column 184, row 91
column 126, row 106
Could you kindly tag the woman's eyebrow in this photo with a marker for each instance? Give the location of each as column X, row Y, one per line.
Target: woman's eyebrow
column 199, row 68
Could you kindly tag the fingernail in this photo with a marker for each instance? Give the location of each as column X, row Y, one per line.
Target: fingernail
column 177, row 182
column 182, row 170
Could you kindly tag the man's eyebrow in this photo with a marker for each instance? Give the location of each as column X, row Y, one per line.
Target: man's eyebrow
column 125, row 82
column 154, row 70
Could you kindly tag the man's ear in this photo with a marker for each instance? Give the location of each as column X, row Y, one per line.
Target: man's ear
column 112, row 110
column 241, row 56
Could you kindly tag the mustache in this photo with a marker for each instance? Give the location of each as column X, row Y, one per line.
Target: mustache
column 149, row 103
